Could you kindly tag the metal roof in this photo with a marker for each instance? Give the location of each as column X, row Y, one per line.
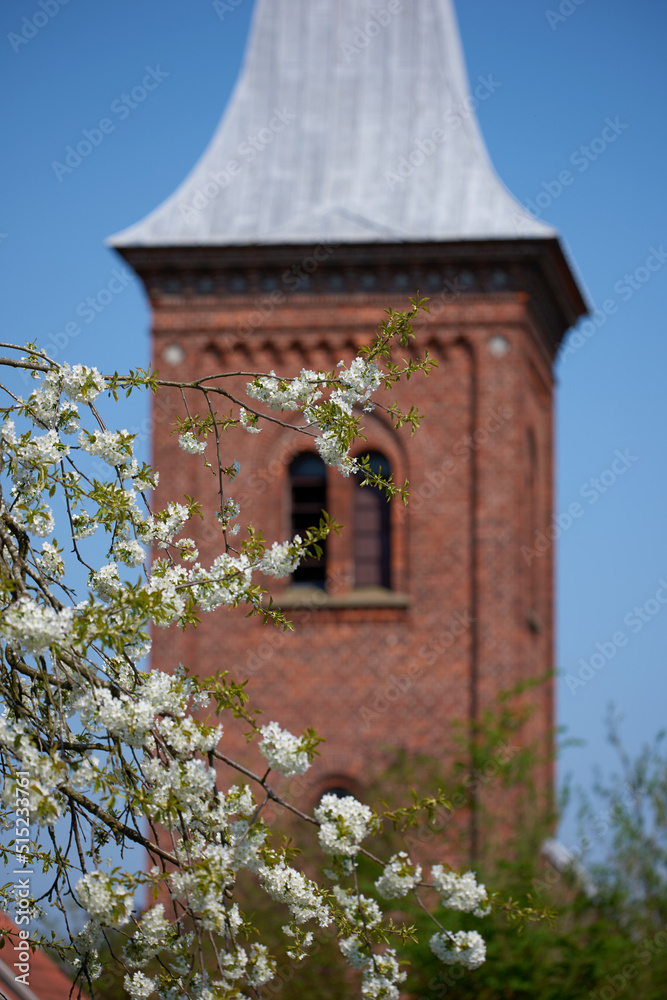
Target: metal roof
column 352, row 121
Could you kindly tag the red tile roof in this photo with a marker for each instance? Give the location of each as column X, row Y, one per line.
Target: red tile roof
column 44, row 980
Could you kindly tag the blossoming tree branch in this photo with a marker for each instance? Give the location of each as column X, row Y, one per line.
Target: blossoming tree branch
column 95, row 746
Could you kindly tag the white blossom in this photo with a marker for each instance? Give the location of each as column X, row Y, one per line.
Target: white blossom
column 261, row 967
column 334, row 452
column 399, row 877
column 36, row 626
column 41, row 451
column 282, row 559
column 188, row 550
column 234, row 919
column 79, row 383
column 248, row 421
column 83, row 525
column 460, row 892
column 357, row 908
column 188, row 443
column 286, row 394
column 181, row 784
column 302, row 942
column 225, row 583
column 106, row 582
column 356, row 384
column 114, row 447
column 166, row 693
column 169, row 582
column 163, row 526
column 184, row 736
column 45, row 410
column 139, row 986
column 130, row 552
column 82, row 775
column 355, row 951
column 8, row 434
column 39, row 522
column 239, row 801
column 234, row 964
column 153, row 934
column 284, row 752
column 343, row 824
column 463, row 947
column 247, row 841
column 230, row 510
column 287, row 885
column 202, row 883
column 154, row 926
column 381, row 977
column 125, row 716
column 103, row 898
column 50, row 561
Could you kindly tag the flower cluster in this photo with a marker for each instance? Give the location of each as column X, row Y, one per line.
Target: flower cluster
column 399, row 877
column 284, row 752
column 301, row 941
column 153, row 934
column 79, row 383
column 180, row 787
column 129, row 551
column 45, row 410
column 333, row 451
column 38, row 520
column 83, row 525
column 227, row 581
column 139, row 986
column 189, row 444
column 282, row 559
column 356, row 385
column 463, row 947
column 381, row 977
column 50, row 561
column 103, row 898
column 106, row 582
column 170, row 582
column 36, row 627
column 165, row 525
column 123, row 716
column 133, row 716
column 114, row 447
column 30, row 453
column 287, row 394
column 248, row 421
column 202, row 883
column 359, row 910
column 287, row 885
column 343, row 824
column 381, row 973
column 460, row 892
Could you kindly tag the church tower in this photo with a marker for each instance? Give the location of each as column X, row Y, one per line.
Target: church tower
column 348, row 172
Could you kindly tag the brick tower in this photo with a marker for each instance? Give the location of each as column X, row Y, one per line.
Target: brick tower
column 347, row 173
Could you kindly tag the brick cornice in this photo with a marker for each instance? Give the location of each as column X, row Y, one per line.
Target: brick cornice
column 217, row 287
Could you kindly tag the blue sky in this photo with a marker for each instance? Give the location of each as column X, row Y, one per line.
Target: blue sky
column 581, row 90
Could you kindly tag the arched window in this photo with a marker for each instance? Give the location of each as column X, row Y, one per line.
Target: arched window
column 308, row 484
column 338, row 790
column 372, row 534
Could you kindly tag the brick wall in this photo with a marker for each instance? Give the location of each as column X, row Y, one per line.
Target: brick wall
column 470, row 614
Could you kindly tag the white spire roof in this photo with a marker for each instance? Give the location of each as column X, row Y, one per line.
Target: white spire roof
column 350, row 122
